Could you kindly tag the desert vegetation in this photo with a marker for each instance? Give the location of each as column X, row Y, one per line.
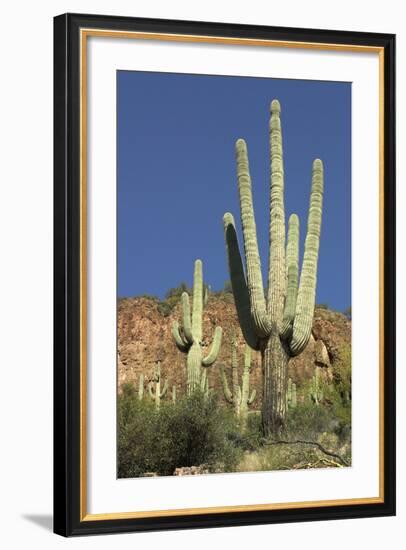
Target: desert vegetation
column 294, row 422
column 200, row 430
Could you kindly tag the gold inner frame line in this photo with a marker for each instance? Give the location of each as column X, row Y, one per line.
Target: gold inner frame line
column 84, row 34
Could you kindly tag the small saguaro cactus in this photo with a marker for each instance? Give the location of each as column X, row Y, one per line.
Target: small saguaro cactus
column 141, row 387
column 240, row 396
column 189, row 335
column 157, row 394
column 278, row 324
column 204, row 383
column 292, row 396
column 316, row 392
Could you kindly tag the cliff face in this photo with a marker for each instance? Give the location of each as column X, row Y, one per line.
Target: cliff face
column 144, row 337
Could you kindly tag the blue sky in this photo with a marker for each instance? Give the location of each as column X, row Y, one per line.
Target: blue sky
column 177, row 175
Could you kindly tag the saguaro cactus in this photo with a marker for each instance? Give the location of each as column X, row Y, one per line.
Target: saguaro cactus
column 157, row 394
column 189, row 335
column 240, row 396
column 141, row 387
column 280, row 324
column 316, row 392
column 204, row 383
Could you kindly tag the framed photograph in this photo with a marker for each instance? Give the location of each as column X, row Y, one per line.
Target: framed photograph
column 224, row 274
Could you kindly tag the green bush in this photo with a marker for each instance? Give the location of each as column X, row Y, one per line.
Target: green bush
column 332, row 415
column 136, row 421
column 172, row 298
column 191, row 432
column 307, row 421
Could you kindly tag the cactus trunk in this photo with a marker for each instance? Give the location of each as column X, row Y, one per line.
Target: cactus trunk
column 275, row 379
column 193, row 362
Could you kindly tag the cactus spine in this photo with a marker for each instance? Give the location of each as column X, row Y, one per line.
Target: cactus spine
column 189, row 335
column 279, row 325
column 240, row 396
column 157, row 394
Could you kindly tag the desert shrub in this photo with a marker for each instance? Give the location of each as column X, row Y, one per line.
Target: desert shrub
column 279, row 457
column 332, row 415
column 191, row 432
column 165, row 308
column 149, row 297
column 226, row 293
column 197, row 431
column 308, row 421
column 172, row 298
column 176, row 292
column 252, row 437
column 136, row 421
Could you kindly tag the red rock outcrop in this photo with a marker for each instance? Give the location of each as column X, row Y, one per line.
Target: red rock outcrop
column 144, row 337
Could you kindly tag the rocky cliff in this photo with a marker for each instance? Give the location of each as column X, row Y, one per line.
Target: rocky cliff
column 144, row 337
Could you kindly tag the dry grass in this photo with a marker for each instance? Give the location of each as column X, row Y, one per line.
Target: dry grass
column 290, row 457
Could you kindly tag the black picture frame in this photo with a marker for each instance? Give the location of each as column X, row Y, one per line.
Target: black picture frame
column 67, row 325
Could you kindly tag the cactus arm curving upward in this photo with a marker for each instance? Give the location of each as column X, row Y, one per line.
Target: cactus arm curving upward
column 306, row 297
column 177, row 335
column 238, row 282
column 253, row 263
column 215, row 348
column 227, row 393
column 164, row 389
column 187, row 327
column 251, row 399
column 197, row 312
column 246, row 398
column 151, row 390
column 292, row 264
column 157, row 392
column 277, row 269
